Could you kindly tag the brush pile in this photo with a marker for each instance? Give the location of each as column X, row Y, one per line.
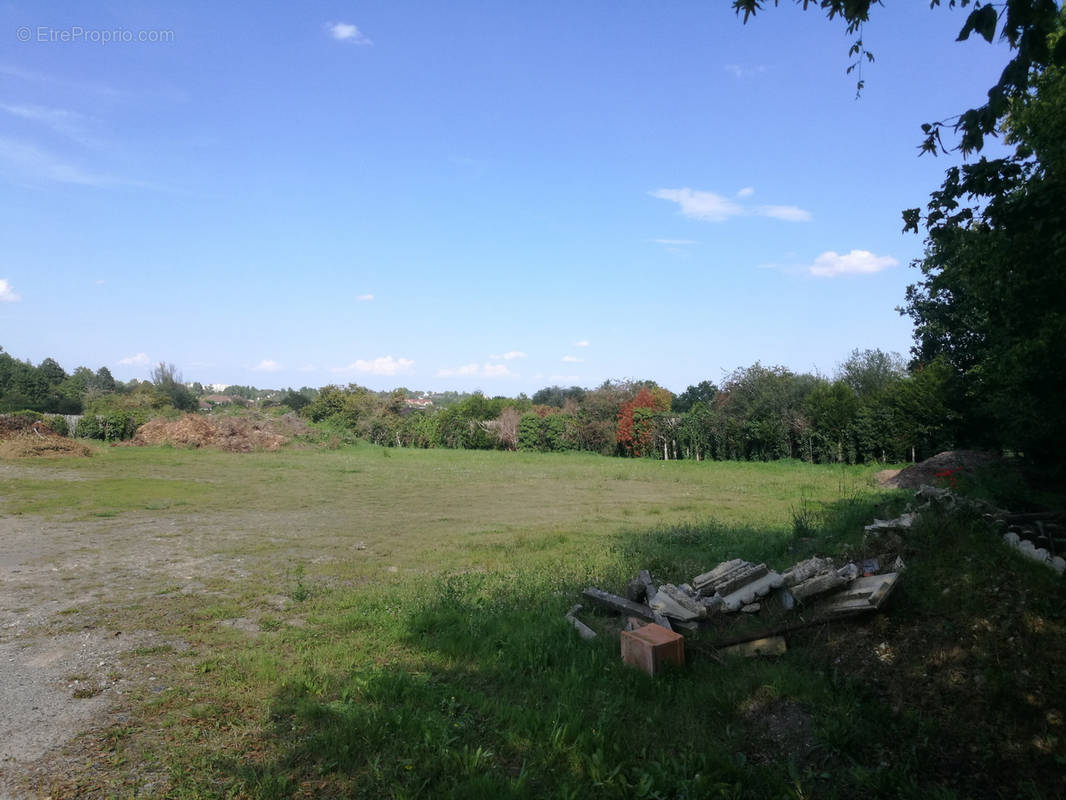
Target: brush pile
column 231, row 434
column 21, row 436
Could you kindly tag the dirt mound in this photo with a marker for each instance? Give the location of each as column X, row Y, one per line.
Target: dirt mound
column 23, row 437
column 929, row 471
column 232, row 434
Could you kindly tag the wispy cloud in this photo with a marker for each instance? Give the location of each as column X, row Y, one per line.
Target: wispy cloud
column 364, row 298
column 69, row 124
column 346, row 32
column 572, row 359
column 35, row 163
column 508, row 356
column 747, row 191
column 676, row 242
column 740, row 71
column 476, row 371
column 712, row 207
column 582, row 343
column 858, row 262
column 384, row 365
column 707, row 206
column 139, row 360
column 787, row 213
column 7, row 294
column 267, row 365
column 30, row 76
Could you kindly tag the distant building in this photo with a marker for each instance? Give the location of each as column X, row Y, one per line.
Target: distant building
column 217, row 399
column 418, row 402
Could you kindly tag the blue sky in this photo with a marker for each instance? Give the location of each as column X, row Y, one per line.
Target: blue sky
column 464, row 195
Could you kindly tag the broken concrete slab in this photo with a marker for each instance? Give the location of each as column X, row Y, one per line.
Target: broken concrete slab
column 700, row 582
column 806, row 569
column 584, row 631
column 682, row 599
column 768, row 646
column 752, row 591
column 819, row 584
column 666, row 604
column 864, row 594
column 901, row 523
column 618, row 604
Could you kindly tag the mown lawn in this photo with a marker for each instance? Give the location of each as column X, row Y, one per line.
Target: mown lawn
column 401, row 633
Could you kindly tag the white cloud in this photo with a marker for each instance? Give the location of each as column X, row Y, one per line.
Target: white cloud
column 858, row 262
column 384, row 365
column 476, row 371
column 509, row 356
column 787, row 213
column 675, row 241
column 346, row 32
column 364, row 298
column 582, row 343
column 7, row 294
column 139, row 360
column 747, row 191
column 707, row 206
column 711, row 207
column 572, row 359
column 267, row 365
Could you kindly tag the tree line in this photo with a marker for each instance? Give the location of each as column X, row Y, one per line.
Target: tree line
column 873, row 409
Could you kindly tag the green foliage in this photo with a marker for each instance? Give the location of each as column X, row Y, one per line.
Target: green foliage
column 991, row 304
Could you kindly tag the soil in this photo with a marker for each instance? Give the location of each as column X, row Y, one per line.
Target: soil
column 925, row 472
column 76, row 655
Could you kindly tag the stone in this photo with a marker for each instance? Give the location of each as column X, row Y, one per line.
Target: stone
column 751, row 608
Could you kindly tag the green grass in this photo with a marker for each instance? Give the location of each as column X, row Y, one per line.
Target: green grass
column 436, row 661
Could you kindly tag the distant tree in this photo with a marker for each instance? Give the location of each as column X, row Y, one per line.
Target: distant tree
column 635, row 433
column 167, row 380
column 104, row 380
column 868, row 372
column 51, row 372
column 703, row 392
column 294, row 400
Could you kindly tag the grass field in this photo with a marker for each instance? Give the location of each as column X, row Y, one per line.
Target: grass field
column 366, row 622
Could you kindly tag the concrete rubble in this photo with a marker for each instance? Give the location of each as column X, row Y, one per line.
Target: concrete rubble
column 814, row 590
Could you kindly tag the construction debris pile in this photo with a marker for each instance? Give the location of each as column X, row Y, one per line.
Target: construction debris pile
column 815, row 584
column 810, row 592
column 1039, row 535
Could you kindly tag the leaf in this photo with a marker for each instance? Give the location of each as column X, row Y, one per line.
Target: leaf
column 983, row 20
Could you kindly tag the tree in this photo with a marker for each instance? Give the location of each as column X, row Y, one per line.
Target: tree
column 636, row 429
column 1026, row 25
column 991, row 303
column 702, row 392
column 168, row 381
